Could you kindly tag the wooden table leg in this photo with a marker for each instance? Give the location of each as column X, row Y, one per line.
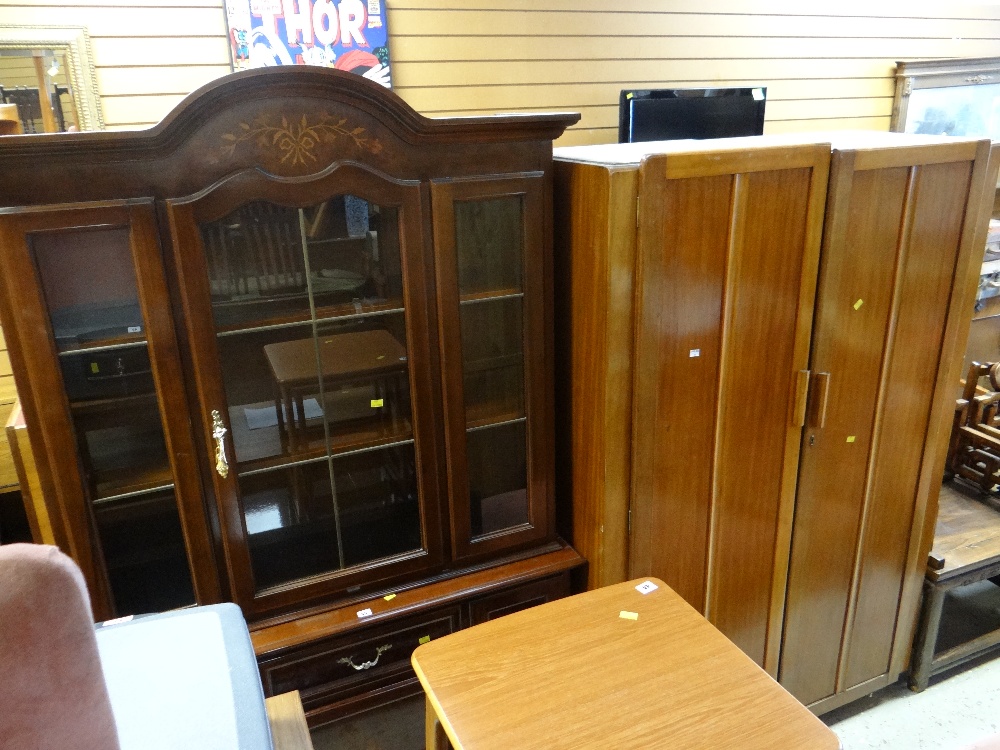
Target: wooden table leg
column 435, row 736
column 927, row 633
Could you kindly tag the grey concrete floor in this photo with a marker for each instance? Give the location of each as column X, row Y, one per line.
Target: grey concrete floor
column 959, row 707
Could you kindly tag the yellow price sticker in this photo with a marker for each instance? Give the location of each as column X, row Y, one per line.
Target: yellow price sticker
column 858, row 304
column 626, row 615
column 424, row 639
column 94, row 368
column 850, row 438
column 389, row 597
column 376, row 403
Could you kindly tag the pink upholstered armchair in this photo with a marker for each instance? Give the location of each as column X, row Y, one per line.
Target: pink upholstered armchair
column 181, row 679
column 52, row 689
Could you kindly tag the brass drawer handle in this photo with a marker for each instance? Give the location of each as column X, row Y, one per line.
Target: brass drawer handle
column 367, row 664
column 219, row 433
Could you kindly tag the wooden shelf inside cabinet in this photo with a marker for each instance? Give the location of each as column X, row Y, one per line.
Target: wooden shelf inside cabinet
column 118, row 484
column 103, row 344
column 342, row 445
column 262, row 314
column 499, row 295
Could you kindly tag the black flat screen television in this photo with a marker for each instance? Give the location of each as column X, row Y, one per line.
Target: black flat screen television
column 666, row 114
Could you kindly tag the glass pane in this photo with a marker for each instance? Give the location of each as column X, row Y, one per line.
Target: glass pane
column 316, row 374
column 489, row 240
column 90, row 291
column 258, row 272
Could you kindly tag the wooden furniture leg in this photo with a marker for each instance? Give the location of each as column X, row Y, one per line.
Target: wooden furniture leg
column 435, row 737
column 927, row 633
column 288, row 722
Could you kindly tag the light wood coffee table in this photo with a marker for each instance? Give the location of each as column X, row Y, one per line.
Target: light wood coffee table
column 577, row 673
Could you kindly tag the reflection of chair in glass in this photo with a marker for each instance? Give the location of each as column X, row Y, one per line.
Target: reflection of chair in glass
column 372, row 360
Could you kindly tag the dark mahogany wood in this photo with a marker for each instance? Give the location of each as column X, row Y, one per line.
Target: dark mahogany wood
column 536, row 341
column 295, row 137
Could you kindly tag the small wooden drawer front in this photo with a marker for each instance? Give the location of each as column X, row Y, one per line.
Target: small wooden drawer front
column 515, row 599
column 339, row 667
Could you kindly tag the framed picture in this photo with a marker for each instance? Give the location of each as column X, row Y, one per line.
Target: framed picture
column 948, row 97
column 349, row 35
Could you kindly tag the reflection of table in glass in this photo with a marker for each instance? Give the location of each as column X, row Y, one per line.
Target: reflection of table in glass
column 374, row 357
column 611, row 668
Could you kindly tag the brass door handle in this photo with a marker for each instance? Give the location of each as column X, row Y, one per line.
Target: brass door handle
column 219, row 433
column 801, row 398
column 349, row 660
column 819, row 398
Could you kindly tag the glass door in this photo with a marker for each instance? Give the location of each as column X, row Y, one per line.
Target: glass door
column 315, row 384
column 107, row 397
column 490, row 258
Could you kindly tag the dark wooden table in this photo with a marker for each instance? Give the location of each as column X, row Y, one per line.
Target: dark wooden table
column 966, row 550
column 297, row 368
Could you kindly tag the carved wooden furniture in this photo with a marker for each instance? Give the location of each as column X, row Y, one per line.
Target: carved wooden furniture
column 741, row 433
column 150, row 295
column 607, row 668
column 966, row 550
column 974, row 449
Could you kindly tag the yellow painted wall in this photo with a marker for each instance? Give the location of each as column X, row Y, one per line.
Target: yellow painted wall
column 825, row 65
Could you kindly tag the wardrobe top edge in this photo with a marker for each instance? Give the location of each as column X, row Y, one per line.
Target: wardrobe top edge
column 631, row 154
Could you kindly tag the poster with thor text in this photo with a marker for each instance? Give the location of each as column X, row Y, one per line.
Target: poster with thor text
column 349, row 35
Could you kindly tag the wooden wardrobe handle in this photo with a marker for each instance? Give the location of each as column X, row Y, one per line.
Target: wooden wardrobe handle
column 801, row 398
column 820, row 396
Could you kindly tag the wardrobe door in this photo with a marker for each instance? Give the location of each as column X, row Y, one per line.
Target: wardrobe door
column 728, row 252
column 891, row 291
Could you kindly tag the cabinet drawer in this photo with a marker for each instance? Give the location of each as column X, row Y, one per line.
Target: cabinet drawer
column 515, row 599
column 342, row 666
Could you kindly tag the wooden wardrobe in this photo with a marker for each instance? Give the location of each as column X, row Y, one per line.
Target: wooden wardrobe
column 759, row 340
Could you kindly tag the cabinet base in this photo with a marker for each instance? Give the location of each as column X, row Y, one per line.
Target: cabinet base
column 357, row 657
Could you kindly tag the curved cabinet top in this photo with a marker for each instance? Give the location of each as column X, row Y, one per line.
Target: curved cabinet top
column 291, row 123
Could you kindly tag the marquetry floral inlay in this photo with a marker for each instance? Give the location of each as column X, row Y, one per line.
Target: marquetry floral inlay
column 297, row 141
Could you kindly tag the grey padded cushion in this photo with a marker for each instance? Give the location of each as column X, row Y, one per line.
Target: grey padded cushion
column 184, row 679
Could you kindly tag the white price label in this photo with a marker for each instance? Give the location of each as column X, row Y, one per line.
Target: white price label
column 365, row 613
column 646, row 586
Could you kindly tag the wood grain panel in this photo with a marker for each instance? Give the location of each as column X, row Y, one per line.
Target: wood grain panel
column 852, row 316
column 450, row 48
column 757, row 386
column 560, row 96
column 460, row 54
column 111, row 52
column 147, row 80
column 684, row 228
column 722, row 17
column 124, row 21
column 594, row 270
column 939, row 214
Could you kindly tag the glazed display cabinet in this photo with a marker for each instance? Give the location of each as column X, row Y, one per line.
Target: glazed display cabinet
column 292, row 348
